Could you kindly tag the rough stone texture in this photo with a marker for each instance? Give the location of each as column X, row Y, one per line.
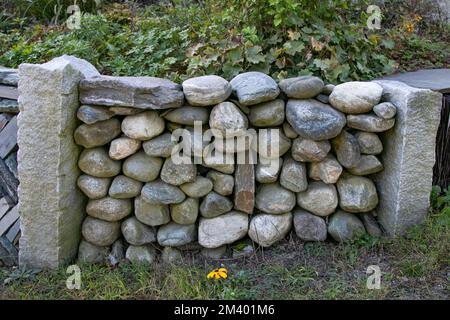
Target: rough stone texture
column 142, row 167
column 137, row 233
column 145, row 254
column 226, row 120
column 49, row 97
column 371, row 225
column 124, row 111
column 267, row 114
column 244, row 188
column 95, row 162
column 123, row 147
column 305, row 87
column 178, row 174
column 369, row 122
column 323, row 98
column 328, row 89
column 187, row 115
column 214, row 204
column 89, row 253
column 289, row 131
column 293, row 175
column 151, row 214
column 266, row 229
column 199, row 188
column 254, row 87
column 347, row 150
column 136, row 92
column 309, row 227
column 344, row 226
column 206, row 90
column 174, row 234
column 356, row 194
column 369, row 143
column 356, row 97
column 109, row 209
column 93, row 187
column 272, row 143
column 221, row 230
column 314, row 120
column 143, row 126
column 408, row 157
column 99, row 232
column 320, row 199
column 385, row 110
column 171, row 255
column 93, row 114
column 185, row 212
column 214, row 253
column 223, row 184
column 159, row 192
column 161, row 146
column 267, row 170
column 307, row 150
column 329, row 170
column 368, row 164
column 272, row 198
column 124, row 187
column 117, row 253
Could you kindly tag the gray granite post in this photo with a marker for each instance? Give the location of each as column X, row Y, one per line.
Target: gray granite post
column 409, row 155
column 50, row 205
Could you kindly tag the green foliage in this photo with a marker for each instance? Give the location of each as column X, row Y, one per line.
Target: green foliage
column 180, row 39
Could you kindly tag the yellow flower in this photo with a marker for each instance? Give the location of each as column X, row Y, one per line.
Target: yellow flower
column 219, row 273
column 418, row 18
column 409, row 26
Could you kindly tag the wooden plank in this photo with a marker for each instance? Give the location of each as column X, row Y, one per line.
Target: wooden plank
column 8, row 138
column 8, row 183
column 9, row 219
column 13, row 231
column 8, row 92
column 3, row 120
column 4, row 207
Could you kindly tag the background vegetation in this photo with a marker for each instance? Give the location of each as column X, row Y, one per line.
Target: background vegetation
column 179, row 39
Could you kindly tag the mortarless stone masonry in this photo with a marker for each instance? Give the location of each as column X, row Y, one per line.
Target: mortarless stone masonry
column 329, row 155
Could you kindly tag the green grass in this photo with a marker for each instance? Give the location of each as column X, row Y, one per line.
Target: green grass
column 415, row 267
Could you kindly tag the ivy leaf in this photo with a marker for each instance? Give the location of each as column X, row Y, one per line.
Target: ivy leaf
column 230, row 70
column 293, row 47
column 234, row 56
column 253, row 54
column 388, row 44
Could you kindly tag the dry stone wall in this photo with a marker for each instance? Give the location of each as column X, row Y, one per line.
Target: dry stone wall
column 300, row 156
column 308, row 163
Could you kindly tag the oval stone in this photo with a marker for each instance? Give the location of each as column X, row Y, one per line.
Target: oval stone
column 109, row 209
column 151, row 214
column 185, row 212
column 309, row 227
column 356, row 96
column 227, row 120
column 95, row 162
column 304, row 87
column 266, row 229
column 93, row 187
column 214, row 204
column 161, row 146
column 99, row 232
column 188, row 115
column 254, row 87
column 143, row 126
column 344, row 226
column 124, row 187
column 356, row 194
column 224, row 229
column 314, row 120
column 174, row 234
column 137, row 233
column 320, row 198
column 159, row 192
column 267, row 114
column 142, row 167
column 198, row 188
column 206, row 90
column 123, row 147
column 272, row 198
column 97, row 134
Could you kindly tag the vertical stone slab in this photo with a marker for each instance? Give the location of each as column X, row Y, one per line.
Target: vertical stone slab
column 404, row 185
column 244, row 188
column 50, row 205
